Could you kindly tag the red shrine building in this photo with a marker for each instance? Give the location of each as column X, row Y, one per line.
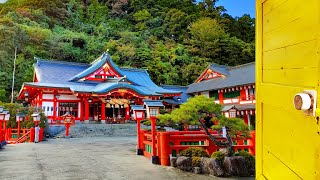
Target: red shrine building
column 100, row 91
column 232, row 87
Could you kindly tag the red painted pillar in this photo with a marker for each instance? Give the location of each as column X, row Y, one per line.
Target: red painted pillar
column 243, row 95
column 252, row 143
column 67, row 129
column 164, row 148
column 245, row 118
column 103, row 112
column 86, row 111
column 32, row 134
column 82, row 109
column 128, row 112
column 153, row 133
column 5, row 130
column 140, row 135
column 40, row 100
column 18, row 129
column 220, row 97
column 54, row 106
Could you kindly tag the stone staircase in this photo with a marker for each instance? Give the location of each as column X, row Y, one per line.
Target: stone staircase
column 100, row 130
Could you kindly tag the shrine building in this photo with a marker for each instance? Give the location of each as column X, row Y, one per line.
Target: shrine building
column 99, row 91
column 232, row 87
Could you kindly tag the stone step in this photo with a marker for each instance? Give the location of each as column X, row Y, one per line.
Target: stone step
column 98, row 130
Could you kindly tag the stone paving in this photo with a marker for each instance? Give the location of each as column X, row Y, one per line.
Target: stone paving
column 84, row 158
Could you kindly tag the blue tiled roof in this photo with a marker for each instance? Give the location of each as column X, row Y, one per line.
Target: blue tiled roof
column 137, row 107
column 61, row 74
column 184, row 96
column 97, row 64
column 239, row 75
column 153, row 103
column 220, row 69
column 57, row 71
column 172, row 101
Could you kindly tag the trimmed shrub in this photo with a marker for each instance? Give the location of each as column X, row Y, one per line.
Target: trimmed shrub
column 218, row 155
column 247, row 156
column 194, row 152
column 196, row 161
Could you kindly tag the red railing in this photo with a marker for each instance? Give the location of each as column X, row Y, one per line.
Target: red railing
column 171, row 143
column 248, row 98
column 23, row 138
column 12, row 135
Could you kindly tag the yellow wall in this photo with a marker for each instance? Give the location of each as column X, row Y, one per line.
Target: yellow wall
column 288, row 143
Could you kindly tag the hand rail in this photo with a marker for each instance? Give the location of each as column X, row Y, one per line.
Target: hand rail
column 23, row 138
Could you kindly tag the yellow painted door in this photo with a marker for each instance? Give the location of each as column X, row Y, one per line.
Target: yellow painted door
column 288, row 47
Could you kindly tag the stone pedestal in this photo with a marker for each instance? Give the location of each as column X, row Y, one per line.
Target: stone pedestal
column 86, row 121
column 103, row 121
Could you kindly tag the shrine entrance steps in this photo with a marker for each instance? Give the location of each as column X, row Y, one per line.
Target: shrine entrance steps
column 100, row 130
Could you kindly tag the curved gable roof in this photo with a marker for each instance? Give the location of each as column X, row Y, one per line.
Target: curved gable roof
column 58, row 74
column 238, row 75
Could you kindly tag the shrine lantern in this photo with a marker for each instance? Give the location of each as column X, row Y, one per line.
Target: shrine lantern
column 6, row 115
column 36, row 117
column 19, row 117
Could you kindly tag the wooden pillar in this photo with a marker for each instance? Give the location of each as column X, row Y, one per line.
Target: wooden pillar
column 252, row 143
column 140, row 138
column 103, row 113
column 127, row 112
column 220, row 97
column 55, row 105
column 245, row 118
column 82, row 109
column 243, row 95
column 86, row 111
column 155, row 159
column 40, row 99
column 164, row 148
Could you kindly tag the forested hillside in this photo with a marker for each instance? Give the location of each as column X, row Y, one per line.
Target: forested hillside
column 174, row 39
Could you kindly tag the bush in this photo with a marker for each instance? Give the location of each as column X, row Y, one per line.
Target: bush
column 30, row 124
column 194, row 152
column 218, row 155
column 196, row 161
column 247, row 156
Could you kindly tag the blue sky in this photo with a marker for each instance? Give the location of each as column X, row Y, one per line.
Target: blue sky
column 2, row 1
column 238, row 7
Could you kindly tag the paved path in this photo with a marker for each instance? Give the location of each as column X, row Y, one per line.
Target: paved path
column 84, row 158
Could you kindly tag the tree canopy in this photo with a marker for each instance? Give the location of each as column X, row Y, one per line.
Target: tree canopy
column 174, row 39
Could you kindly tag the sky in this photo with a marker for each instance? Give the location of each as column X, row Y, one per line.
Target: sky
column 238, row 7
column 2, row 1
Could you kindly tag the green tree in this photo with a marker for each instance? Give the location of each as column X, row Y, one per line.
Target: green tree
column 199, row 107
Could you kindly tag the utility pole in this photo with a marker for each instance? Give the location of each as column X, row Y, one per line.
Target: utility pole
column 13, row 73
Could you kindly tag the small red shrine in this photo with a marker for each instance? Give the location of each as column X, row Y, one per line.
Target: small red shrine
column 99, row 91
column 232, row 87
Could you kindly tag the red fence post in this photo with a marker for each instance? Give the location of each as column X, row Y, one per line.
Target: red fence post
column 154, row 158
column 252, row 143
column 32, row 133
column 140, row 135
column 164, row 148
column 41, row 134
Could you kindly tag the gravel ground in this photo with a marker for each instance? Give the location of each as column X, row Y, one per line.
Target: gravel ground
column 84, row 158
